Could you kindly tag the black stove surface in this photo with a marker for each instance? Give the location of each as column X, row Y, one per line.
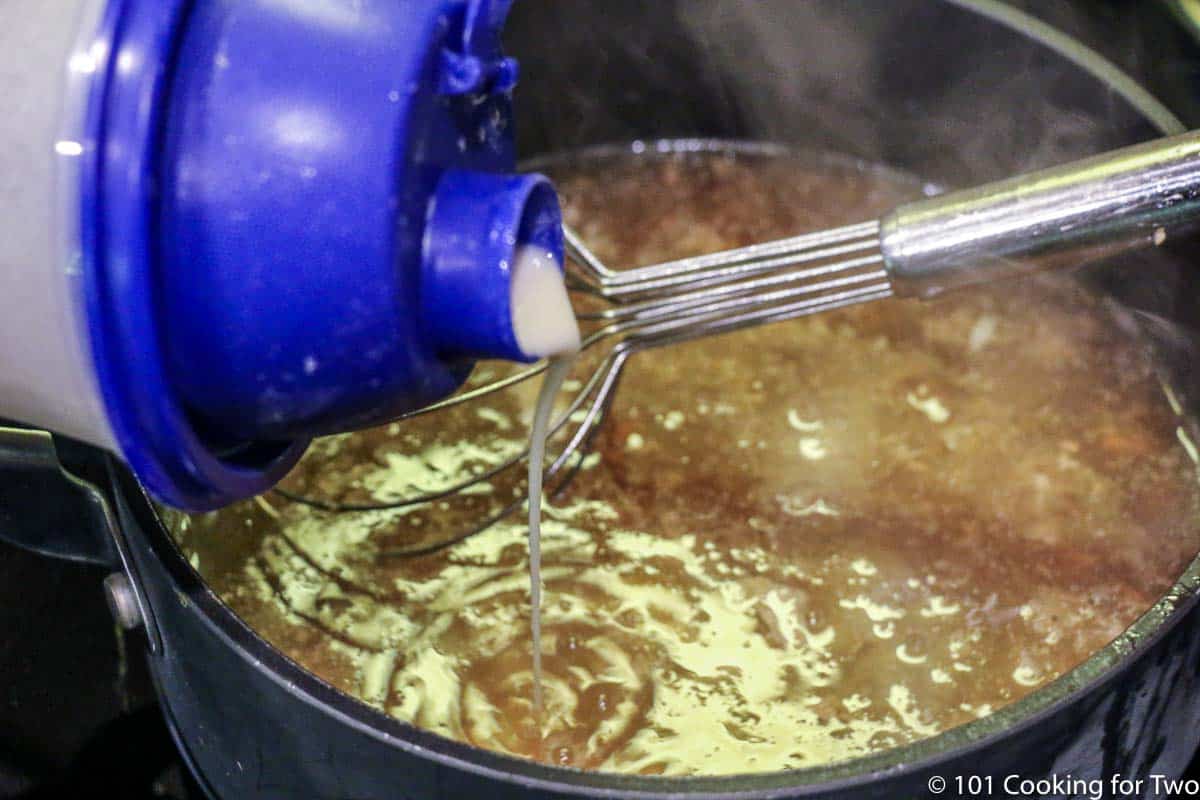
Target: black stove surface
column 78, row 716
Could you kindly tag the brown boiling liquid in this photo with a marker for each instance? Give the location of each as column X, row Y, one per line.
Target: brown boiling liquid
column 792, row 545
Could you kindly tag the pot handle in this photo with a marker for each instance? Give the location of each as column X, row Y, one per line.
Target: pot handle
column 47, row 509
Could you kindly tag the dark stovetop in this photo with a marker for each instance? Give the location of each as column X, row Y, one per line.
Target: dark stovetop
column 78, row 718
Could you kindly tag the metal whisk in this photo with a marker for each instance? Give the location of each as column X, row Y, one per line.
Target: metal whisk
column 1064, row 216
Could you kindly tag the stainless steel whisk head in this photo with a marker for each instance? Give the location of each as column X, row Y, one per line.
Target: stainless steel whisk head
column 1064, row 216
column 655, row 306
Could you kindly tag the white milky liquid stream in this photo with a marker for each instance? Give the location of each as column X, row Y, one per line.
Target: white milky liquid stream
column 544, row 325
column 542, row 319
column 556, row 373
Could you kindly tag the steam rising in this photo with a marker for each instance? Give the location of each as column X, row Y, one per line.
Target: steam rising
column 928, row 87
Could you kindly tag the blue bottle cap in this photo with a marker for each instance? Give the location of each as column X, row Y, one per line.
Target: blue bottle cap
column 270, row 227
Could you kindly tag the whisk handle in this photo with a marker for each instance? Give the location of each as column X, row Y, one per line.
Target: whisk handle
column 1067, row 215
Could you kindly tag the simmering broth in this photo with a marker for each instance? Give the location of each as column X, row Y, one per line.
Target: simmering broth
column 790, row 545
